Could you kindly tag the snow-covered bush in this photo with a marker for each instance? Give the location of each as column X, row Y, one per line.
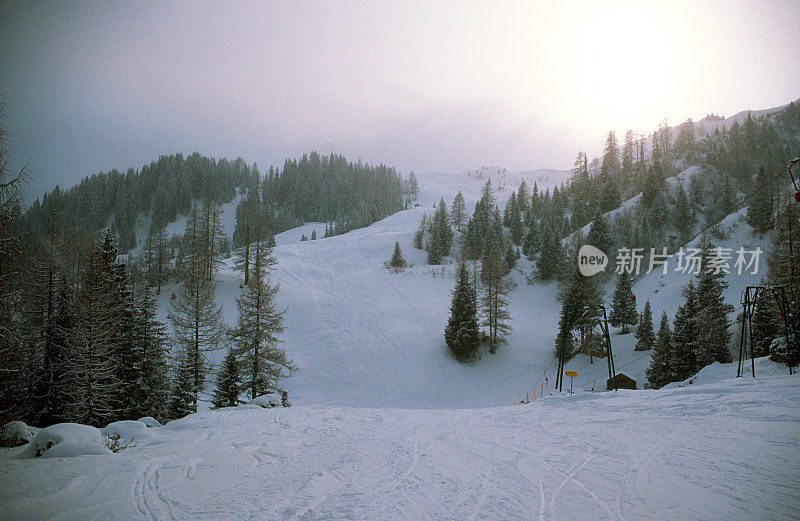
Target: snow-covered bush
column 76, row 439
column 150, row 421
column 16, row 433
column 124, row 430
column 267, row 400
column 71, row 448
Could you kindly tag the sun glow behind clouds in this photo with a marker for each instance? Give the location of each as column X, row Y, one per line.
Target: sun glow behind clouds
column 615, row 65
column 418, row 84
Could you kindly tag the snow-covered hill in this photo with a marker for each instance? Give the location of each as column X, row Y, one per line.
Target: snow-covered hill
column 726, row 449
column 366, row 337
column 708, row 125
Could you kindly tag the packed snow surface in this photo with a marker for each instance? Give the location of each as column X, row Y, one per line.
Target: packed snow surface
column 722, row 450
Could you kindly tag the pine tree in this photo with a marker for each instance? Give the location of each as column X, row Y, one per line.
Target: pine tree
column 127, row 352
column 784, row 265
column 685, row 219
column 552, row 255
column 151, row 339
column 10, row 245
column 419, row 235
column 248, row 215
column 182, row 398
column 413, row 185
column 481, row 230
column 532, row 245
column 441, row 235
column 766, row 326
column 685, row 328
column 523, row 202
column 623, row 304
column 515, row 226
column 645, row 330
column 397, row 262
column 660, row 373
column 784, row 261
column 712, row 317
column 91, row 372
column 314, row 234
column 458, row 214
column 196, row 321
column 262, row 363
column 628, row 158
column 761, row 209
column 512, row 255
column 157, row 255
column 461, row 333
column 599, row 235
column 724, row 200
column 685, row 142
column 227, row 392
column 611, row 167
column 44, row 292
column 610, row 197
column 494, row 300
column 212, row 237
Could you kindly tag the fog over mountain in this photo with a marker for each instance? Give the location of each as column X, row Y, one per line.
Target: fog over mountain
column 96, row 85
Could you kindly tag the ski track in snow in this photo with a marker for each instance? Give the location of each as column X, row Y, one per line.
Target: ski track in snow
column 724, row 450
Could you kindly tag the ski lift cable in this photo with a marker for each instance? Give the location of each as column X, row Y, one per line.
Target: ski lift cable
column 796, row 187
column 744, row 199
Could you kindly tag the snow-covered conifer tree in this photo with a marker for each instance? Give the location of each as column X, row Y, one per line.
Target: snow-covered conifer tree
column 262, row 363
column 623, row 304
column 660, row 373
column 645, row 330
column 227, row 392
column 712, row 316
column 461, row 333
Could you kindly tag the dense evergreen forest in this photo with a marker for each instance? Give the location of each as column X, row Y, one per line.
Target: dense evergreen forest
column 745, row 160
column 328, row 188
column 80, row 339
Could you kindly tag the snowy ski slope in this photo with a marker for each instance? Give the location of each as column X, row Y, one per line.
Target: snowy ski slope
column 724, row 449
column 366, row 337
column 385, row 425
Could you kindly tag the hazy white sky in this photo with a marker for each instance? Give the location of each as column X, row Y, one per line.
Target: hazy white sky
column 419, row 85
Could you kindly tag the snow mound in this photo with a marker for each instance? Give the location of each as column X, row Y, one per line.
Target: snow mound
column 718, row 372
column 150, row 421
column 124, row 430
column 80, row 439
column 72, row 448
column 267, row 400
column 16, row 433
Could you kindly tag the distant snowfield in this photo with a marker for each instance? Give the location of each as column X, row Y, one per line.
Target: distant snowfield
column 727, row 449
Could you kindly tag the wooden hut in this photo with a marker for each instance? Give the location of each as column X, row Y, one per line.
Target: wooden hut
column 622, row 382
